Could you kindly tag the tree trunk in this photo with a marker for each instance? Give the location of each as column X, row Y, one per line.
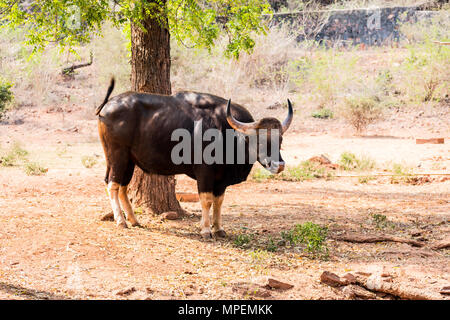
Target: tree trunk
column 150, row 72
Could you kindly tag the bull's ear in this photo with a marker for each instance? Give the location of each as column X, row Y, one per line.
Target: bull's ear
column 245, row 128
column 288, row 120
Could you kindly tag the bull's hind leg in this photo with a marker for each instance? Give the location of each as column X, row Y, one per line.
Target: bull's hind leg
column 120, row 170
column 126, row 206
column 217, row 217
column 123, row 196
column 113, row 192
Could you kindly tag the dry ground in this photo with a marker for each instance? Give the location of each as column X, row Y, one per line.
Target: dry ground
column 54, row 246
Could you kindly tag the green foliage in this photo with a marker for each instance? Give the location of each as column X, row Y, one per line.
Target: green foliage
column 271, row 246
column 88, row 161
column 242, row 240
column 306, row 170
column 425, row 72
column 326, row 75
column 193, row 23
column 34, row 169
column 349, row 161
column 6, row 96
column 312, row 235
column 323, row 113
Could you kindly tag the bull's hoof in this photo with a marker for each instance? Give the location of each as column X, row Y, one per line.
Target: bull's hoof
column 220, row 234
column 122, row 225
column 206, row 235
column 136, row 224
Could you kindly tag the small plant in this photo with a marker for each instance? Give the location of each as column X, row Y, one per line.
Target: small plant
column 362, row 111
column 259, row 258
column 88, row 161
column 312, row 235
column 6, row 97
column 15, row 154
column 380, row 221
column 34, row 169
column 306, row 170
column 323, row 113
column 365, row 179
column 261, row 174
column 242, row 240
column 402, row 174
column 349, row 161
column 271, row 246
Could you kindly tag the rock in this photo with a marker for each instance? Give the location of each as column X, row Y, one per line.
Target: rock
column 126, row 292
column 331, row 279
column 445, row 290
column 349, row 278
column 353, row 291
column 276, row 284
column 169, row 215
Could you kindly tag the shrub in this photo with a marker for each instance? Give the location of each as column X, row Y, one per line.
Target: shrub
column 349, row 161
column 361, row 111
column 380, row 221
column 15, row 154
column 34, row 169
column 323, row 113
column 312, row 235
column 242, row 240
column 6, row 97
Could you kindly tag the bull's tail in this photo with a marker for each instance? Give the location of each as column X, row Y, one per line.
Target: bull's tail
column 110, row 90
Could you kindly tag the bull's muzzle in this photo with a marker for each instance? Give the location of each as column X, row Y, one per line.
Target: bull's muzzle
column 276, row 167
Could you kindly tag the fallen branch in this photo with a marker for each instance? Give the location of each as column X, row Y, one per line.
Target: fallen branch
column 373, row 239
column 381, row 284
column 443, row 244
column 71, row 69
column 357, row 286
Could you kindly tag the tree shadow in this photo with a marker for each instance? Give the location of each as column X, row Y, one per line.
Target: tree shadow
column 27, row 293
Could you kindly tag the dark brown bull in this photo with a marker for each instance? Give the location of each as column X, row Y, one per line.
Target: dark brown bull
column 136, row 129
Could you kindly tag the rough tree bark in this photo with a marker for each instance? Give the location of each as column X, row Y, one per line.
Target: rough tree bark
column 150, row 72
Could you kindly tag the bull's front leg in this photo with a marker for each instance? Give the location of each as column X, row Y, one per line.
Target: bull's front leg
column 206, row 200
column 218, row 231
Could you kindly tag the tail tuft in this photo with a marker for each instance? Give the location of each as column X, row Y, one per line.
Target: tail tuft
column 110, row 90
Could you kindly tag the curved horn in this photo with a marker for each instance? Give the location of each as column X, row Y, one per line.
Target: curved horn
column 288, row 120
column 246, row 128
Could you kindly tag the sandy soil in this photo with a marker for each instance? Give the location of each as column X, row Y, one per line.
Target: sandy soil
column 54, row 246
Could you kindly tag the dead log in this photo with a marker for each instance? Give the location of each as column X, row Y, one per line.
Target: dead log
column 69, row 70
column 373, row 239
column 366, row 287
column 378, row 283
